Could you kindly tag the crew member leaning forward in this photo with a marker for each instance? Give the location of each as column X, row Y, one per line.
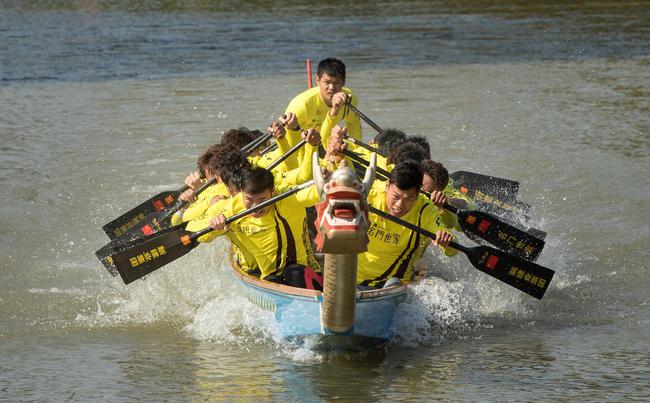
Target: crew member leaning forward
column 393, row 248
column 271, row 239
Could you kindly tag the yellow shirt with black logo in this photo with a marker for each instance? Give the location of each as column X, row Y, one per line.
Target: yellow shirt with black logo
column 393, row 248
column 272, row 241
column 311, row 110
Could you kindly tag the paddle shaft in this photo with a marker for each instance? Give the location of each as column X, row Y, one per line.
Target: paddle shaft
column 526, row 276
column 269, row 148
column 198, row 234
column 478, row 224
column 287, row 154
column 365, row 118
column 414, row 228
column 248, row 149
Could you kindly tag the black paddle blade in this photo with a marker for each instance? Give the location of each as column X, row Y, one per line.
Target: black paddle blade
column 479, row 225
column 490, row 189
column 522, row 274
column 513, row 218
column 153, row 223
column 122, row 224
column 152, row 253
column 121, row 244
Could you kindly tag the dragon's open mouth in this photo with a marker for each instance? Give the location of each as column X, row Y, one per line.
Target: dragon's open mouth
column 345, row 210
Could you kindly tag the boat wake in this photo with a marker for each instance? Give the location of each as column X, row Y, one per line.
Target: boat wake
column 202, row 300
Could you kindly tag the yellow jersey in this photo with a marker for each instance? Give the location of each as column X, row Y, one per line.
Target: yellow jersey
column 393, row 249
column 272, row 241
column 201, row 204
column 311, row 110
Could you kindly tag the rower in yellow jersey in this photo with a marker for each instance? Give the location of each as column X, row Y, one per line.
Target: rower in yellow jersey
column 328, row 97
column 217, row 161
column 393, row 249
column 272, row 239
column 224, row 161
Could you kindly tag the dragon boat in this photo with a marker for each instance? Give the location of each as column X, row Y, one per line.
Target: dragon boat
column 342, row 314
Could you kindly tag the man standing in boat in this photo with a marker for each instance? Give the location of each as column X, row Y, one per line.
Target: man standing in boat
column 329, row 97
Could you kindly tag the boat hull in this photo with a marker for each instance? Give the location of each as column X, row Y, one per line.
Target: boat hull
column 298, row 311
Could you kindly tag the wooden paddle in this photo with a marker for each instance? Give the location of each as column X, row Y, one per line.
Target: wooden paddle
column 157, row 221
column 504, row 191
column 519, row 273
column 160, row 202
column 481, row 225
column 140, row 257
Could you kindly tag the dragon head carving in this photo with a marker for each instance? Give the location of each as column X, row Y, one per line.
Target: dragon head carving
column 342, row 221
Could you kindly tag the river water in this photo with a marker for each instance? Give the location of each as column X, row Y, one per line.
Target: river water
column 103, row 104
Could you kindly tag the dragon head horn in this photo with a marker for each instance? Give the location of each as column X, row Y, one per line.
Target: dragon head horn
column 370, row 174
column 319, row 181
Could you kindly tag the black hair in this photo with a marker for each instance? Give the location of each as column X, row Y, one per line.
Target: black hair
column 422, row 142
column 236, row 180
column 407, row 175
column 438, row 173
column 239, row 138
column 257, row 180
column 407, row 150
column 226, row 161
column 389, row 139
column 332, row 67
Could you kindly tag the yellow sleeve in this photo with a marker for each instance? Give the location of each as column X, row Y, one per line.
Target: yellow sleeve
column 299, row 107
column 326, row 128
column 283, row 146
column 205, row 201
column 267, row 159
column 225, row 207
column 307, row 197
column 304, row 172
column 449, row 219
column 433, row 222
column 177, row 218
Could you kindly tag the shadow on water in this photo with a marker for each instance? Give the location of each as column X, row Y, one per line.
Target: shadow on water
column 102, row 40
